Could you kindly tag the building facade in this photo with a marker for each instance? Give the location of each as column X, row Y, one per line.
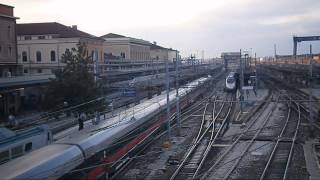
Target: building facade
column 231, row 60
column 162, row 54
column 172, row 55
column 8, row 42
column 127, row 48
column 158, row 53
column 41, row 45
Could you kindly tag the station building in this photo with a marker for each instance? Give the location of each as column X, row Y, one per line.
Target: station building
column 41, row 45
column 161, row 53
column 125, row 48
column 8, row 43
column 231, row 60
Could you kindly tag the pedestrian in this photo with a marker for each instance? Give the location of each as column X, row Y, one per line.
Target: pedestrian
column 83, row 116
column 93, row 121
column 12, row 120
column 80, row 121
column 97, row 119
column 254, row 90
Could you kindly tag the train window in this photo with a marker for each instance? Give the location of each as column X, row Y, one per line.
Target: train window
column 4, row 156
column 230, row 80
column 28, row 147
column 16, row 151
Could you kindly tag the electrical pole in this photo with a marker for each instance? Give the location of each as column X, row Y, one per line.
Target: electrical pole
column 310, row 89
column 95, row 65
column 168, row 101
column 255, row 65
column 241, row 83
column 177, row 92
column 275, row 51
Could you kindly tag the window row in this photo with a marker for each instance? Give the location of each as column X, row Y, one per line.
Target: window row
column 38, row 56
column 30, row 37
column 15, row 152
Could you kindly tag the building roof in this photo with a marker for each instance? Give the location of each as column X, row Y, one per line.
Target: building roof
column 117, row 37
column 52, row 28
column 6, row 11
column 230, row 54
column 112, row 35
column 154, row 46
column 6, row 5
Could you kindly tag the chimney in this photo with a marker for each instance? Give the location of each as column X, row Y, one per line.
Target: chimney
column 74, row 27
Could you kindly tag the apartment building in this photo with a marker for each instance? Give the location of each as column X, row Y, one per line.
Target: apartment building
column 41, row 45
column 127, row 48
column 8, row 42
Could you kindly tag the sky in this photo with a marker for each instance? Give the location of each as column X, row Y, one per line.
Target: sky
column 197, row 27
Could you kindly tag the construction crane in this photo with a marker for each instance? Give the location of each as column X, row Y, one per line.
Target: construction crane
column 297, row 39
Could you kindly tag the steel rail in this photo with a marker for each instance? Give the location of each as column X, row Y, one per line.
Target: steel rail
column 293, row 143
column 250, row 143
column 195, row 144
column 206, row 174
column 213, row 139
column 276, row 145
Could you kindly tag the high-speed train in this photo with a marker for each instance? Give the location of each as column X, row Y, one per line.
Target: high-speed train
column 232, row 82
column 57, row 159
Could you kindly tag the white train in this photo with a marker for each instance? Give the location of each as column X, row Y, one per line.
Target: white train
column 57, row 159
column 15, row 144
column 231, row 82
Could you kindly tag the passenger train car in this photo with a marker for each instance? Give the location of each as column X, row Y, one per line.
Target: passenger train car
column 232, row 80
column 59, row 158
column 15, row 144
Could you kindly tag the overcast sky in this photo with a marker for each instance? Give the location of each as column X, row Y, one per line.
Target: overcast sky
column 191, row 26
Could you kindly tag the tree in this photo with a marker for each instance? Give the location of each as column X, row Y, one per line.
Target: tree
column 73, row 84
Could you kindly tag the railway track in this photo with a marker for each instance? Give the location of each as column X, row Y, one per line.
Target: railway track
column 228, row 161
column 189, row 114
column 277, row 166
column 275, row 154
column 197, row 154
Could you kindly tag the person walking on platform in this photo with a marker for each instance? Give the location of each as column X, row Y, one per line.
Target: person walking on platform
column 97, row 117
column 254, row 90
column 80, row 123
column 81, row 120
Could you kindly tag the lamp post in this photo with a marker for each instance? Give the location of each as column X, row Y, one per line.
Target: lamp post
column 177, row 92
column 241, row 82
column 168, row 101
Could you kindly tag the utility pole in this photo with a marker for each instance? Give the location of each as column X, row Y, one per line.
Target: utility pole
column 202, row 52
column 177, row 92
column 275, row 50
column 168, row 101
column 310, row 89
column 241, row 83
column 95, row 66
column 255, row 65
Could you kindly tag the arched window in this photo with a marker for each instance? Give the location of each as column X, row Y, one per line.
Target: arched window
column 38, row 54
column 24, row 56
column 53, row 55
